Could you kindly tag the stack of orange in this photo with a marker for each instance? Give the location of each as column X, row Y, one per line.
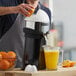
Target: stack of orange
column 7, row 59
column 68, row 63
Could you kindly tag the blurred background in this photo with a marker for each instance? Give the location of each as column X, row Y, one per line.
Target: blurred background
column 64, row 20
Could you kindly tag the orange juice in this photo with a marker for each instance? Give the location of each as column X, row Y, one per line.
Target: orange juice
column 51, row 59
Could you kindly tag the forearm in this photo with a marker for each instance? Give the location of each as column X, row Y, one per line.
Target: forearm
column 8, row 10
column 22, row 9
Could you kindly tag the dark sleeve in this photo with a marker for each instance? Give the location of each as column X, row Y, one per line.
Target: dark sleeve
column 6, row 21
column 10, row 2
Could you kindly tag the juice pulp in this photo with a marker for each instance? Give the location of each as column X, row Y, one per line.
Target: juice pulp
column 51, row 59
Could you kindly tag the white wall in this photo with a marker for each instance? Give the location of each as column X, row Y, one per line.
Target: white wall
column 65, row 11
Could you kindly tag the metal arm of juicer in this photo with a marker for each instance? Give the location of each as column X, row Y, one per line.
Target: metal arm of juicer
column 40, row 20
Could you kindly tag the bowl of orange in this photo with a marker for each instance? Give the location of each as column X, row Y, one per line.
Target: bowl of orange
column 7, row 60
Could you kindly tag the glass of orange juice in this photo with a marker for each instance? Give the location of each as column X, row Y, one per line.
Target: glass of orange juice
column 51, row 57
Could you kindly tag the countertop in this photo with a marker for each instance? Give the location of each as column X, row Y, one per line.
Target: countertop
column 71, row 71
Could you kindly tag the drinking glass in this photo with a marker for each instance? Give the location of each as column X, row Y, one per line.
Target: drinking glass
column 51, row 57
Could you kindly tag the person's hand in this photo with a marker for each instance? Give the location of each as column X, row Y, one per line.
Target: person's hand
column 25, row 9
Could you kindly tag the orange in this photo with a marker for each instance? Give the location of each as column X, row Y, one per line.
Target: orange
column 72, row 63
column 66, row 63
column 11, row 56
column 30, row 12
column 11, row 64
column 4, row 64
column 0, row 57
column 4, row 55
